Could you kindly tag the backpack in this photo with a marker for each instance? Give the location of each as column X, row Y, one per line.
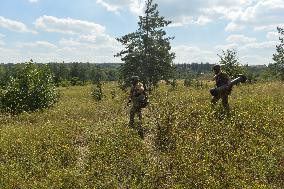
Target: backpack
column 141, row 95
column 143, row 103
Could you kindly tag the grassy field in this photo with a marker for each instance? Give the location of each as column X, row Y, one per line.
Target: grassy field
column 81, row 143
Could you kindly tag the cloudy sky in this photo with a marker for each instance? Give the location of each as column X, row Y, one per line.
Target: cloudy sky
column 85, row 30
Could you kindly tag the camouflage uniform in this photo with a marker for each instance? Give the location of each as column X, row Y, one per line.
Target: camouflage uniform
column 222, row 79
column 136, row 95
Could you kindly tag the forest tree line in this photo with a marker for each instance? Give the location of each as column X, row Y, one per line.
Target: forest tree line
column 66, row 74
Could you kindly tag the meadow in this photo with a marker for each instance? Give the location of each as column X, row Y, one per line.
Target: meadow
column 81, row 143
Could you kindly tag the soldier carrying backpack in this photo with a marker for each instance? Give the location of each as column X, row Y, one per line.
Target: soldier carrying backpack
column 139, row 100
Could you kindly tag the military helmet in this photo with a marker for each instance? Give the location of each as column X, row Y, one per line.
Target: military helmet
column 134, row 78
column 216, row 67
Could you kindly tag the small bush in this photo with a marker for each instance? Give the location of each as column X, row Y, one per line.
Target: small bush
column 64, row 83
column 31, row 89
column 97, row 92
column 75, row 81
column 188, row 82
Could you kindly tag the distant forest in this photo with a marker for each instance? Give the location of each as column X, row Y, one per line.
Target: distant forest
column 83, row 73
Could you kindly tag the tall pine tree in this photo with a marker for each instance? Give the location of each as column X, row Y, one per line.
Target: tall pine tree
column 147, row 50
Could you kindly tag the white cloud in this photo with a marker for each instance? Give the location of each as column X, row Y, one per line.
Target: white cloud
column 109, row 7
column 227, row 46
column 261, row 15
column 186, row 53
column 88, row 38
column 2, row 43
column 33, row 1
column 187, row 20
column 89, row 49
column 102, row 39
column 234, row 27
column 67, row 25
column 240, row 39
column 253, row 60
column 203, row 20
column 134, row 6
column 251, row 51
column 272, row 36
column 88, row 41
column 9, row 55
column 261, row 45
column 14, row 25
column 69, row 42
column 37, row 45
column 81, row 48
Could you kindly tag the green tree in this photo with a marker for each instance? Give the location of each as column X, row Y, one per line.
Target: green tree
column 230, row 63
column 147, row 50
column 97, row 76
column 2, row 76
column 31, row 89
column 278, row 57
column 74, row 71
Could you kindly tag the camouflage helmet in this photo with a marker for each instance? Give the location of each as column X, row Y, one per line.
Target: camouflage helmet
column 134, row 78
column 216, row 67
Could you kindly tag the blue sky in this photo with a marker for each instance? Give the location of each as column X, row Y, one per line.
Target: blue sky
column 85, row 30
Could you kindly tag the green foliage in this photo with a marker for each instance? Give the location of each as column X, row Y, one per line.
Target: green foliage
column 188, row 80
column 97, row 88
column 251, row 77
column 230, row 63
column 199, row 84
column 76, row 81
column 191, row 81
column 64, row 83
column 83, row 72
column 85, row 144
column 278, row 57
column 31, row 89
column 173, row 84
column 97, row 75
column 2, row 76
column 205, row 149
column 147, row 50
column 97, row 92
column 113, row 93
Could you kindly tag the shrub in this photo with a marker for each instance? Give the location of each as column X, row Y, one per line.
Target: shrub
column 188, row 81
column 75, row 81
column 64, row 83
column 31, row 89
column 97, row 92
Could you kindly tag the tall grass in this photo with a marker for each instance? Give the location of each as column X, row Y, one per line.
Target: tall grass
column 81, row 143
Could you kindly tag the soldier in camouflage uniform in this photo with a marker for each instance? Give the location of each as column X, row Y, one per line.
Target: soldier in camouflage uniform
column 136, row 96
column 221, row 79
